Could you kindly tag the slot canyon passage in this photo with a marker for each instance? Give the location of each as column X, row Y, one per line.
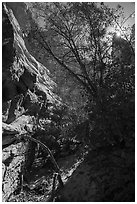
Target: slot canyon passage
column 68, row 102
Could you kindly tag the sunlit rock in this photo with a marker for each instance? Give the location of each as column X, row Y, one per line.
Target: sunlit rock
column 26, row 87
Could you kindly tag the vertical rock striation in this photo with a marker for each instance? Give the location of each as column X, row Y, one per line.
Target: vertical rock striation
column 25, row 86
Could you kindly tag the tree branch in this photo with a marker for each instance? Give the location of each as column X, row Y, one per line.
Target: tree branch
column 124, row 35
column 48, row 49
column 57, row 169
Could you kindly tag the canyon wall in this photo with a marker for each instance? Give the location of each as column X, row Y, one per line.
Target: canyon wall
column 27, row 90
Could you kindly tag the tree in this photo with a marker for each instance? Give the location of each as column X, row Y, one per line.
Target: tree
column 75, row 37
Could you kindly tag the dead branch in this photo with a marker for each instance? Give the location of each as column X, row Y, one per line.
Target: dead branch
column 57, row 169
column 47, row 150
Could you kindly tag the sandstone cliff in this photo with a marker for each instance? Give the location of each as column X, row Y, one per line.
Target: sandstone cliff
column 26, row 88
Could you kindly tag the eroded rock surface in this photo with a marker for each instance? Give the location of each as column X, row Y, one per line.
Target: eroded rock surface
column 12, row 161
column 26, row 87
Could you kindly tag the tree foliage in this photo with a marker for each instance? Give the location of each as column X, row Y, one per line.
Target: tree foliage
column 76, row 37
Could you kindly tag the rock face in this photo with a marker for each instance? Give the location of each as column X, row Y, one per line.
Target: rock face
column 21, row 72
column 25, row 87
column 122, row 51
